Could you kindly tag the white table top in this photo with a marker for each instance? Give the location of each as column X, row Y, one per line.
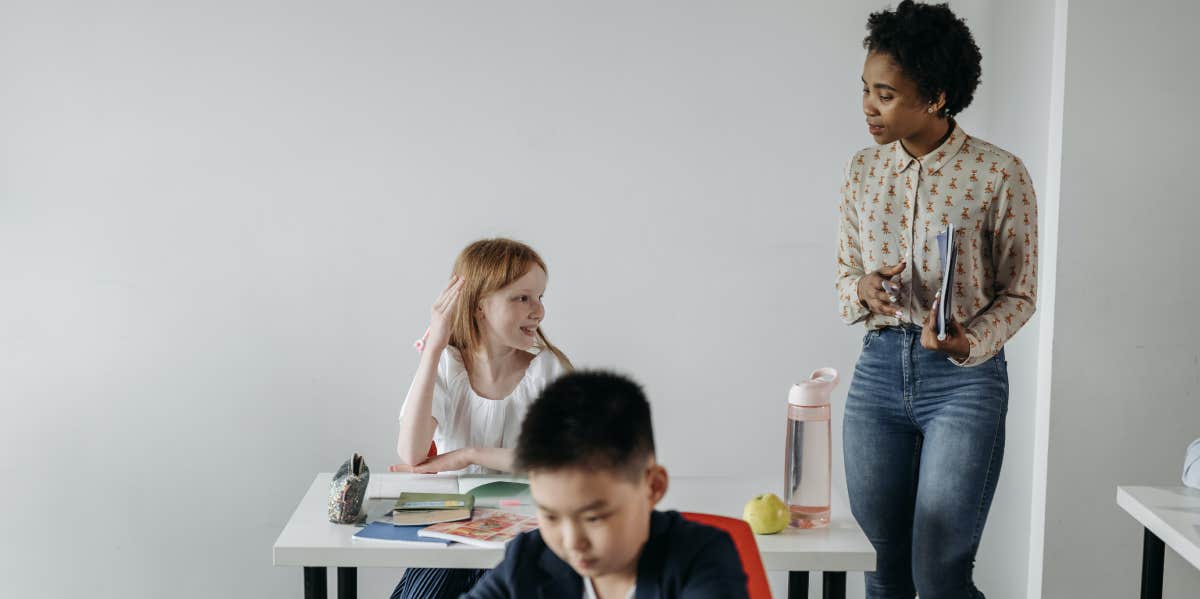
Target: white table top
column 1171, row 513
column 309, row 539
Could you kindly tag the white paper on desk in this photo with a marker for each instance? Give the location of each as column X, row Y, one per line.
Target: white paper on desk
column 391, row 485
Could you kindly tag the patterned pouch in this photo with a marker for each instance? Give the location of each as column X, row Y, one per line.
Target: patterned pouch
column 348, row 491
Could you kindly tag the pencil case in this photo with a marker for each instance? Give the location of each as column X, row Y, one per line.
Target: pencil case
column 348, row 490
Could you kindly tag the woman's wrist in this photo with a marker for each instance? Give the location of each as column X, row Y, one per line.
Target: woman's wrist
column 858, row 291
column 962, row 350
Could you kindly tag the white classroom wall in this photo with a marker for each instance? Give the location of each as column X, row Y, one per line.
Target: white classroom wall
column 221, row 226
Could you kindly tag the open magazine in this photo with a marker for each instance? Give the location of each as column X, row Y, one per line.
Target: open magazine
column 487, row 528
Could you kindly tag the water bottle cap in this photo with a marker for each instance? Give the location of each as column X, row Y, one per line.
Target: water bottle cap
column 815, row 390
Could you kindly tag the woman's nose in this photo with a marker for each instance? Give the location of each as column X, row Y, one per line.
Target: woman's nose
column 869, row 106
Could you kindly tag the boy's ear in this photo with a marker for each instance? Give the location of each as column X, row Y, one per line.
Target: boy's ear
column 657, row 481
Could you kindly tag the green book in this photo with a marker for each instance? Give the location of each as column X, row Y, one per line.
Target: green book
column 434, row 501
column 502, row 493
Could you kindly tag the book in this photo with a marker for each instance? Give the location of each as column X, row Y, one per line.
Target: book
column 488, row 528
column 389, row 485
column 948, row 254
column 427, row 517
column 385, row 532
column 502, row 493
column 435, row 501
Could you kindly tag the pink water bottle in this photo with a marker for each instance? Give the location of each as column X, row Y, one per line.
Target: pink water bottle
column 808, row 464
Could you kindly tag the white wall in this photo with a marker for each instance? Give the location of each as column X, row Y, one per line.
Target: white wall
column 1016, row 38
column 1124, row 402
column 221, row 227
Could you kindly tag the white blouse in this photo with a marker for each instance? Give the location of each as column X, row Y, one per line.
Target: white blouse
column 466, row 419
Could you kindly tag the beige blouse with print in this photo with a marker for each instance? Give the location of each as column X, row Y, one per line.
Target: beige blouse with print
column 894, row 205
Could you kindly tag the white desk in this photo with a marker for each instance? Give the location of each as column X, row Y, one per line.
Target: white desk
column 1171, row 517
column 309, row 540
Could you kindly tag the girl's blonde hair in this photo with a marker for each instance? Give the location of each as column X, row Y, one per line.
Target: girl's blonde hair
column 489, row 265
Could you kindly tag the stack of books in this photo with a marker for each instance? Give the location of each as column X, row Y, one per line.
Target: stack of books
column 443, row 518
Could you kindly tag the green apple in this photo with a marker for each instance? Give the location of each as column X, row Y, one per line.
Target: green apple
column 766, row 514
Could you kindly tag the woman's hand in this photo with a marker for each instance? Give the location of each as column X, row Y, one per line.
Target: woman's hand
column 444, row 462
column 441, row 317
column 872, row 294
column 956, row 345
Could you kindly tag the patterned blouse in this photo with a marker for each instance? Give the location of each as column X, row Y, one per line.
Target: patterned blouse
column 894, row 205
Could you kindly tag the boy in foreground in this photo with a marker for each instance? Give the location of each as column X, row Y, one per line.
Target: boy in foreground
column 587, row 446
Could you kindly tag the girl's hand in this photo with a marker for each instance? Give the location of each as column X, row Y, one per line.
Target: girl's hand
column 956, row 345
column 444, row 462
column 872, row 294
column 442, row 315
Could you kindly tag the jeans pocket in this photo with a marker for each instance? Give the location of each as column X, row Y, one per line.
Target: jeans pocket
column 1001, row 368
column 869, row 337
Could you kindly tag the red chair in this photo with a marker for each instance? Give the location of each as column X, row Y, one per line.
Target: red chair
column 757, row 586
column 432, row 449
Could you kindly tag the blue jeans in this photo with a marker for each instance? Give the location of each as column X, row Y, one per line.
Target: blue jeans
column 923, row 441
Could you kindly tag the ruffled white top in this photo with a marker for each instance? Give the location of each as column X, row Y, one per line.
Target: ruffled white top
column 467, row 419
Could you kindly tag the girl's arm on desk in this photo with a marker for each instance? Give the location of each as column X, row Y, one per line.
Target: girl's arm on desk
column 496, row 458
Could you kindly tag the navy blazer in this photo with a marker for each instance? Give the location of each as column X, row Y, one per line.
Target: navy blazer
column 680, row 559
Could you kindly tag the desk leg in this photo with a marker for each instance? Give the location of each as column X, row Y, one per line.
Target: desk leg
column 315, row 583
column 347, row 583
column 797, row 585
column 1152, row 566
column 833, row 586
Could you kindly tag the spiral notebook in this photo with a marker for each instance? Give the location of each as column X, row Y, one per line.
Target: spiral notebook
column 948, row 254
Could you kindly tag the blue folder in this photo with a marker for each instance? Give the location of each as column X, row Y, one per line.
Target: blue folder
column 382, row 531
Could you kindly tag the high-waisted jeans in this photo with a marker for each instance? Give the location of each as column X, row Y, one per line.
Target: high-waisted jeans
column 923, row 441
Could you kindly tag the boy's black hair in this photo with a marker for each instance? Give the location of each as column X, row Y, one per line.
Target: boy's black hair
column 587, row 419
column 933, row 47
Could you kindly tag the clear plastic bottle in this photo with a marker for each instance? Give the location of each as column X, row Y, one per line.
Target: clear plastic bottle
column 808, row 464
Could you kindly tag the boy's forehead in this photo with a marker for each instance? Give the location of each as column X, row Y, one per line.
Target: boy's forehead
column 579, row 489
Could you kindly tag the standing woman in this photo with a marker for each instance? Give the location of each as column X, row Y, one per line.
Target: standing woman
column 924, row 423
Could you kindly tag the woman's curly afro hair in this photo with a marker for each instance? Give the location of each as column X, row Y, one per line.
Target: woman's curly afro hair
column 933, row 47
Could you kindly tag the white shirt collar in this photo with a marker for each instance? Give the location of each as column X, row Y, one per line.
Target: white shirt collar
column 589, row 592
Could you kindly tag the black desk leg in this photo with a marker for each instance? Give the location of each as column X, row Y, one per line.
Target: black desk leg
column 834, row 585
column 315, row 583
column 797, row 585
column 347, row 583
column 1152, row 566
